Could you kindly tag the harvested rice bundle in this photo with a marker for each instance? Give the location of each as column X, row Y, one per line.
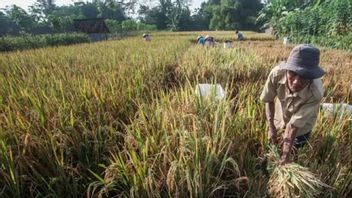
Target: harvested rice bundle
column 291, row 180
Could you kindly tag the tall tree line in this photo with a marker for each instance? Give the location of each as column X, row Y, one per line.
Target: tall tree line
column 45, row 16
column 213, row 14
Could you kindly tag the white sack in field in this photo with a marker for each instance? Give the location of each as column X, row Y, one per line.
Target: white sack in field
column 210, row 90
column 336, row 109
column 227, row 44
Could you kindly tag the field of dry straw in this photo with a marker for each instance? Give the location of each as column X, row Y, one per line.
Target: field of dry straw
column 120, row 118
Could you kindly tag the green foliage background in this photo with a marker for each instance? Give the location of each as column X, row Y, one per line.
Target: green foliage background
column 327, row 23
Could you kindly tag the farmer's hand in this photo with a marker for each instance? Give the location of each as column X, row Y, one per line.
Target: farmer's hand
column 290, row 134
column 284, row 159
column 272, row 135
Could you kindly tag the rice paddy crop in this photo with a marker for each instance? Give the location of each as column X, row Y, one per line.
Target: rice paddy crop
column 121, row 119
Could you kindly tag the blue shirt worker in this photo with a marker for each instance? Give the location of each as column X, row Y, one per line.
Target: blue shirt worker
column 292, row 95
column 200, row 40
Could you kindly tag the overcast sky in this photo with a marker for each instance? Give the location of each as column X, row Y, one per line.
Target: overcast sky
column 25, row 3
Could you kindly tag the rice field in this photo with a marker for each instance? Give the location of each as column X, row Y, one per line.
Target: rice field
column 121, row 119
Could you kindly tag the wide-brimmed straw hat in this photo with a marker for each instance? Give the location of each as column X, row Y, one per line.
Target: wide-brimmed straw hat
column 304, row 60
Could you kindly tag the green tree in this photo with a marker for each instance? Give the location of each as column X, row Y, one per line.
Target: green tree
column 110, row 9
column 171, row 14
column 200, row 20
column 231, row 14
column 41, row 9
column 61, row 19
column 21, row 18
column 274, row 10
column 88, row 10
column 308, row 17
column 154, row 15
column 7, row 26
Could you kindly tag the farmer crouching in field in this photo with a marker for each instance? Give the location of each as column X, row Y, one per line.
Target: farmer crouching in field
column 292, row 94
column 146, row 37
column 200, row 40
column 209, row 41
column 240, row 36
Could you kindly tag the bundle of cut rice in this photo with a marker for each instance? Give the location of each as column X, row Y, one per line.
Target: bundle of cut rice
column 292, row 179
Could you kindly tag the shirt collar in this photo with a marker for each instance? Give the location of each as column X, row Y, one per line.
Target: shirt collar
column 304, row 93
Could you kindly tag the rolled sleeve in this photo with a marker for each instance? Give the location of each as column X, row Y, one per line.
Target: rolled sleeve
column 269, row 91
column 307, row 113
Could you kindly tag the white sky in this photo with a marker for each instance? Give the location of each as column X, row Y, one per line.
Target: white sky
column 25, row 3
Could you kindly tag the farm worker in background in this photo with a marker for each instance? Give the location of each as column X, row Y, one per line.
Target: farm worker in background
column 146, row 37
column 209, row 41
column 292, row 94
column 200, row 40
column 239, row 36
